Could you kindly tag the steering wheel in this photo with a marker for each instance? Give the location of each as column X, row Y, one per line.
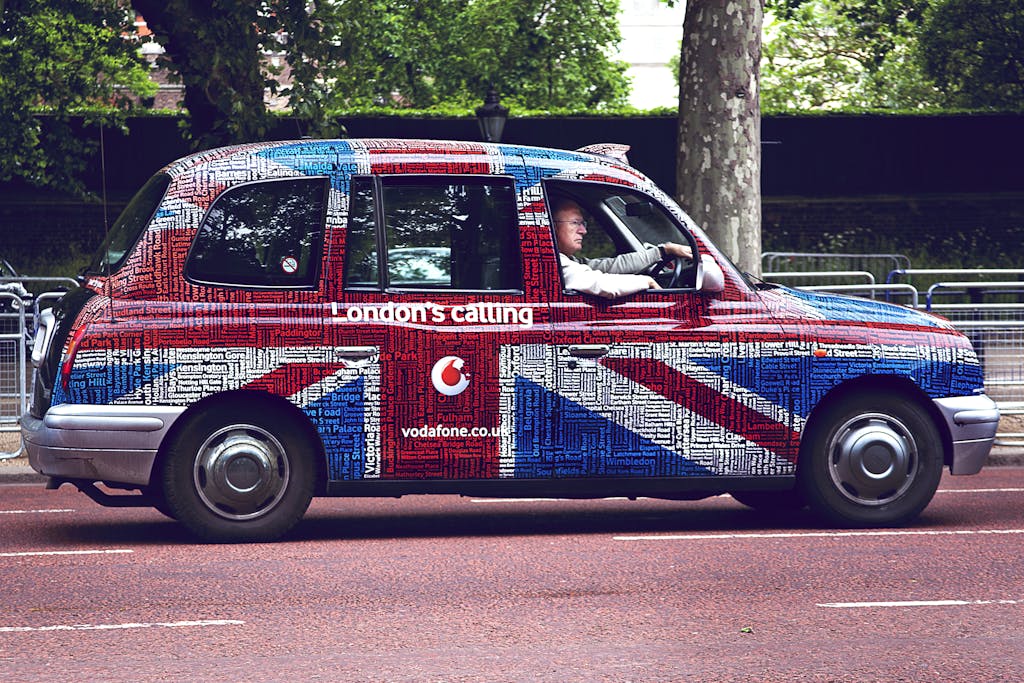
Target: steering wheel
column 678, row 269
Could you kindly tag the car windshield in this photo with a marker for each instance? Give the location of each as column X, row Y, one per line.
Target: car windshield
column 129, row 225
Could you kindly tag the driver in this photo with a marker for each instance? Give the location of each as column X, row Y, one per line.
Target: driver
column 610, row 277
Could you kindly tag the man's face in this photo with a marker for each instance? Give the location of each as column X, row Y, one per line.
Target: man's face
column 570, row 227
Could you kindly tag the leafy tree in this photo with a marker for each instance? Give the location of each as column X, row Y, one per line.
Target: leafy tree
column 541, row 54
column 62, row 57
column 215, row 48
column 829, row 54
column 974, row 49
column 359, row 53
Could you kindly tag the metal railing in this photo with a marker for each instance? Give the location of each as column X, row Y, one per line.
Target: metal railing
column 980, row 302
column 13, row 380
column 796, row 261
column 20, row 308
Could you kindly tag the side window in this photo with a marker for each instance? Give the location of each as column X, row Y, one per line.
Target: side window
column 615, row 220
column 266, row 234
column 361, row 236
column 440, row 232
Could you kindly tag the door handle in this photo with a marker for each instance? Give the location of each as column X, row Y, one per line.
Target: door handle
column 355, row 352
column 589, row 350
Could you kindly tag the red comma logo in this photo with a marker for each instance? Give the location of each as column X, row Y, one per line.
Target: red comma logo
column 449, row 376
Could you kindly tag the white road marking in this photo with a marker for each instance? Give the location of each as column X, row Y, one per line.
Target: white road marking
column 919, row 603
column 818, row 534
column 43, row 553
column 980, row 491
column 32, row 512
column 540, row 500
column 110, row 627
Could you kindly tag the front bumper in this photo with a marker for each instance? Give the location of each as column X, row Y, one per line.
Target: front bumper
column 972, row 423
column 115, row 444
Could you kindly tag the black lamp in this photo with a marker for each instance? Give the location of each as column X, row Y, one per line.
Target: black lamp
column 491, row 117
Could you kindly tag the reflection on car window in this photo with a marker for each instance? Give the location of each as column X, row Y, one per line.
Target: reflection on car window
column 361, row 236
column 265, row 234
column 644, row 218
column 441, row 232
column 129, row 225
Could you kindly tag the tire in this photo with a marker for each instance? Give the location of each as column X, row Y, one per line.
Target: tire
column 239, row 472
column 771, row 501
column 870, row 460
column 159, row 502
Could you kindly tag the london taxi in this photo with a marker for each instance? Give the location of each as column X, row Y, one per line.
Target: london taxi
column 270, row 322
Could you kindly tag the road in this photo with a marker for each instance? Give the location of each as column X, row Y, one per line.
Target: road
column 456, row 589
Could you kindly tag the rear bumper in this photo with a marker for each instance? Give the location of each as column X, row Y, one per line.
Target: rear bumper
column 972, row 423
column 116, row 444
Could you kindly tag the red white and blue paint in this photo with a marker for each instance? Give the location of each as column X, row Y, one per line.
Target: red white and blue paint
column 690, row 385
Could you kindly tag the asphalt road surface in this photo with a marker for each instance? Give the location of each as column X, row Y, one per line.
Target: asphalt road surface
column 457, row 589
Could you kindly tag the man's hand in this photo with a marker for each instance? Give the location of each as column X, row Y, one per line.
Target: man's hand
column 673, row 249
column 652, row 283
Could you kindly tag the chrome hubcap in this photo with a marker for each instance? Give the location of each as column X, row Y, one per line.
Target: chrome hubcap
column 241, row 472
column 872, row 459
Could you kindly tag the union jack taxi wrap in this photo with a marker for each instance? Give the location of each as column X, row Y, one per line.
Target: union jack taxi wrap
column 429, row 386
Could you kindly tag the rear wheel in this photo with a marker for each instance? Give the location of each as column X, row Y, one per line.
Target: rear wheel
column 239, row 473
column 870, row 460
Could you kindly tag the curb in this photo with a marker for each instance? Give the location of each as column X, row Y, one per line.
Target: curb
column 18, row 471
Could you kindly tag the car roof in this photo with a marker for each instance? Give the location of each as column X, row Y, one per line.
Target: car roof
column 242, row 160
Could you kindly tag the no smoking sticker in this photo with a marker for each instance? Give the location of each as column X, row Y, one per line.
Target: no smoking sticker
column 289, row 264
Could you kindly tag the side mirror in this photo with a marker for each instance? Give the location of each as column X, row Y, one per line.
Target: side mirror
column 710, row 278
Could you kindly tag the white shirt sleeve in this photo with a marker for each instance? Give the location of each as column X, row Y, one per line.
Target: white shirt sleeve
column 583, row 278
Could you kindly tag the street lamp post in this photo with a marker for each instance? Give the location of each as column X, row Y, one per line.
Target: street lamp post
column 491, row 117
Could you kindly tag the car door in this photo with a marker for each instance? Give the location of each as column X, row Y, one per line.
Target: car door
column 438, row 279
column 662, row 383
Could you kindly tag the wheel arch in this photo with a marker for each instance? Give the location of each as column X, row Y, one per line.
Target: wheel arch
column 255, row 399
column 891, row 384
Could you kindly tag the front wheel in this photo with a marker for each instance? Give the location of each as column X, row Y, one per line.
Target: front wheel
column 870, row 460
column 239, row 473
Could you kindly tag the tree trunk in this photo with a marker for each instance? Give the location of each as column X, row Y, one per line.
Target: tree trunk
column 216, row 51
column 718, row 172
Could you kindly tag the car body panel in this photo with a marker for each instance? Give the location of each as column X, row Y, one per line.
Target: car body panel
column 558, row 385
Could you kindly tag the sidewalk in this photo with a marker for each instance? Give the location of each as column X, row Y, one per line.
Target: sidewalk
column 17, row 470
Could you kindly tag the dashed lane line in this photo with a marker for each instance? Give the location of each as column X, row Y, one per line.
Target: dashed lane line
column 111, row 627
column 980, row 491
column 45, row 553
column 33, row 512
column 817, row 534
column 918, row 603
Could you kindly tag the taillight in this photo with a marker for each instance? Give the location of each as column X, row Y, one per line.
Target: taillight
column 69, row 358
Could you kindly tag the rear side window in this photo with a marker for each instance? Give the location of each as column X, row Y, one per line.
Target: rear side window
column 439, row 232
column 129, row 225
column 267, row 234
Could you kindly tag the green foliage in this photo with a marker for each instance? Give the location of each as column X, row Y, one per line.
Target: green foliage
column 893, row 54
column 64, row 58
column 371, row 53
column 841, row 54
column 541, row 54
column 974, row 49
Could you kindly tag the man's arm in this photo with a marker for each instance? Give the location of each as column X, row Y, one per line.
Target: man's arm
column 637, row 261
column 631, row 262
column 583, row 278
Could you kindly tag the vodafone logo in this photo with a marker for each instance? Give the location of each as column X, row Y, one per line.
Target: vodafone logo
column 449, row 376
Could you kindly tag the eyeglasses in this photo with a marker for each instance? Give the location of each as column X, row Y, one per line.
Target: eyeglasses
column 576, row 223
